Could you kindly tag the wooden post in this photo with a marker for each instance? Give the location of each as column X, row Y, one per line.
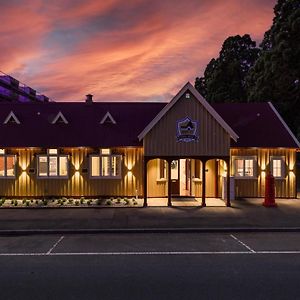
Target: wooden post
column 228, row 204
column 203, row 182
column 169, row 184
column 145, row 182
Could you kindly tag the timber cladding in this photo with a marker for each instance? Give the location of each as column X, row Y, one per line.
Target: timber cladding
column 78, row 183
column 285, row 187
column 161, row 140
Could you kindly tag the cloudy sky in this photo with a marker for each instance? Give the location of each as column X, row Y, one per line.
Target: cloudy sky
column 135, row 50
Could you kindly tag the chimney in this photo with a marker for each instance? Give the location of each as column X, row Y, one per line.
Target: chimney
column 89, row 99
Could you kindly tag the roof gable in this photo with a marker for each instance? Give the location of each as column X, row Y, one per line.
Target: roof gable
column 11, row 118
column 108, row 119
column 190, row 89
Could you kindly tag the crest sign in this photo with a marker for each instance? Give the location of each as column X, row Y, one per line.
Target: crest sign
column 187, row 130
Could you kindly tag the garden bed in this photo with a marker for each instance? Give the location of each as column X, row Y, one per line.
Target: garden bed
column 71, row 202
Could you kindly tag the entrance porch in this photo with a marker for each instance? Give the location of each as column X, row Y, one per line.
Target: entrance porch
column 189, row 181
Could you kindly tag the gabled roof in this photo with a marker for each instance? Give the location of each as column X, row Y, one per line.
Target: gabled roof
column 189, row 88
column 11, row 117
column 257, row 125
column 60, row 117
column 108, row 119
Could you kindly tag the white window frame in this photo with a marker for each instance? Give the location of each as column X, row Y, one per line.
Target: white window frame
column 5, row 156
column 51, row 153
column 282, row 160
column 105, row 153
column 244, row 158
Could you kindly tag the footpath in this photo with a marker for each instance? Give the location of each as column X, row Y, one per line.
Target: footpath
column 244, row 215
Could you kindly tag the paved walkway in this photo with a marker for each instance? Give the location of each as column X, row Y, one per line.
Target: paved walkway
column 248, row 214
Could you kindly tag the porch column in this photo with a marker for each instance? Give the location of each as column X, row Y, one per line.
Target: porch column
column 169, row 184
column 228, row 204
column 203, row 182
column 145, row 182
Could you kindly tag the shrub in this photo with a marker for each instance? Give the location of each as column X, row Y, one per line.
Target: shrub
column 23, row 201
column 31, row 200
column 76, row 202
column 16, row 203
column 108, row 202
column 89, row 202
column 70, row 201
column 126, row 201
column 81, row 200
column 27, row 203
column 36, row 201
column 64, row 199
column 12, row 201
column 98, row 202
column 45, row 202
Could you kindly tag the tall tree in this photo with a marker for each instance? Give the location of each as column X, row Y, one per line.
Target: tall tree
column 276, row 74
column 224, row 77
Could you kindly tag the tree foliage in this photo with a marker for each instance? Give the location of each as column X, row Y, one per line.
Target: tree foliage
column 224, row 77
column 276, row 74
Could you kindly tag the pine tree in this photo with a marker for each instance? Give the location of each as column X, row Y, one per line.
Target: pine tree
column 276, row 74
column 224, row 77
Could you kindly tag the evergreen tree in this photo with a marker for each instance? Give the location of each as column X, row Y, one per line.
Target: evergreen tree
column 275, row 76
column 224, row 77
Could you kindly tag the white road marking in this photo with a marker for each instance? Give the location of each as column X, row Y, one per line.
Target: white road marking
column 242, row 243
column 150, row 253
column 52, row 248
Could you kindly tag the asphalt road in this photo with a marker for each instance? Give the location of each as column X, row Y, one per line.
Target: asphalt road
column 151, row 266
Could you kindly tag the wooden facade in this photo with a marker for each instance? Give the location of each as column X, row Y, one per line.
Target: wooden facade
column 79, row 183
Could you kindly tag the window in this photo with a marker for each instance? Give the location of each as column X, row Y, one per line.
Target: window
column 105, row 165
column 277, row 166
column 52, row 165
column 245, row 167
column 7, row 165
column 198, row 174
column 161, row 170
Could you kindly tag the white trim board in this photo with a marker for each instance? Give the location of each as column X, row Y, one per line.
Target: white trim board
column 206, row 105
column 284, row 124
column 11, row 115
column 60, row 115
column 109, row 117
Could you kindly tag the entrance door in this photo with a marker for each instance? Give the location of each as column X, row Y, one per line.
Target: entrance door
column 175, row 188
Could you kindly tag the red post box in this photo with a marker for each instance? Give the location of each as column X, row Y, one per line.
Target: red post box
column 270, row 191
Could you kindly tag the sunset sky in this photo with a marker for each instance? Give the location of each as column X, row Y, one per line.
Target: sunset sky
column 135, row 50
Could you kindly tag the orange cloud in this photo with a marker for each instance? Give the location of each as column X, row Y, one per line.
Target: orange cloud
column 128, row 52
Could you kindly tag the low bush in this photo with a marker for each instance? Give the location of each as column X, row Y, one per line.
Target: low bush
column 77, row 202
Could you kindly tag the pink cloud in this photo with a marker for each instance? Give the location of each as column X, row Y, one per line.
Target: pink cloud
column 124, row 52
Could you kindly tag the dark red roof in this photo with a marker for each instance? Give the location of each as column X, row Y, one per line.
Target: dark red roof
column 255, row 123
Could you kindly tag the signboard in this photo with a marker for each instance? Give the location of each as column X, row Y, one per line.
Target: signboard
column 187, row 130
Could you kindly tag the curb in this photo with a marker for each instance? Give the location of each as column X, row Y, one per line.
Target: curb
column 148, row 230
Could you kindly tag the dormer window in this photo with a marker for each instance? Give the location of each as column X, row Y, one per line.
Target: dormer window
column 108, row 118
column 11, row 119
column 60, row 118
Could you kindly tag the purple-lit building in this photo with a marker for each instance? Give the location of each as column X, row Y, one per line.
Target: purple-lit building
column 13, row 90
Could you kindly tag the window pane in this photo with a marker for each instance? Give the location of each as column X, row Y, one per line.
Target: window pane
column 95, row 165
column 43, row 165
column 53, row 166
column 115, row 166
column 239, row 167
column 276, row 168
column 2, row 170
column 63, row 166
column 162, row 169
column 105, row 165
column 174, row 169
column 105, row 151
column 197, row 169
column 52, row 151
column 249, row 167
column 10, row 165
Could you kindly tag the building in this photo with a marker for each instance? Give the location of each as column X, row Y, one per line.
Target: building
column 13, row 90
column 186, row 147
